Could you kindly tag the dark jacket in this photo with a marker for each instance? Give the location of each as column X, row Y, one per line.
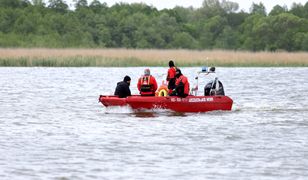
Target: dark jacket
column 122, row 90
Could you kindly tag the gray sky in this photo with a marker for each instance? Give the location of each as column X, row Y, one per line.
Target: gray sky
column 244, row 4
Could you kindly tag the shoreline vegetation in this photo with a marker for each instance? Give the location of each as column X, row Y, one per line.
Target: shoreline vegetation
column 42, row 57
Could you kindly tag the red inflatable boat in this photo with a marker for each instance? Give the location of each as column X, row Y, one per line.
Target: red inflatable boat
column 214, row 98
column 188, row 104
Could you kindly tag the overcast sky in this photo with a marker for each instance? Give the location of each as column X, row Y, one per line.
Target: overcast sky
column 244, row 4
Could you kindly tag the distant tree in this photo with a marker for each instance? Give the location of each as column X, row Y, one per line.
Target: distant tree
column 9, row 3
column 10, row 40
column 14, row 3
column 285, row 29
column 258, row 9
column 228, row 39
column 236, row 19
column 278, row 10
column 250, row 40
column 306, row 10
column 229, row 6
column 98, row 7
column 38, row 3
column 166, row 27
column 211, row 30
column 217, row 24
column 211, row 8
column 58, row 5
column 183, row 15
column 304, row 44
column 80, row 3
column 299, row 10
column 26, row 24
column 8, row 17
column 184, row 40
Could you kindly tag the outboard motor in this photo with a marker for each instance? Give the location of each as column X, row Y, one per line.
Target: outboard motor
column 214, row 88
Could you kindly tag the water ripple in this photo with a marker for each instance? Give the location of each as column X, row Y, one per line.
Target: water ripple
column 52, row 127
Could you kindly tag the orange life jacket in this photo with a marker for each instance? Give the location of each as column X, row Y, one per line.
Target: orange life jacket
column 147, row 85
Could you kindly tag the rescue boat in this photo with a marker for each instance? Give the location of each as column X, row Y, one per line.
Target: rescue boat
column 213, row 99
column 188, row 104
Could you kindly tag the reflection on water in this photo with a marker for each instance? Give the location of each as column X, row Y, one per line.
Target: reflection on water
column 141, row 114
column 155, row 113
column 52, row 127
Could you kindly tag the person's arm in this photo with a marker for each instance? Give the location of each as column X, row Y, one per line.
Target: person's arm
column 154, row 84
column 139, row 84
column 167, row 78
column 169, row 74
column 184, row 80
column 177, row 81
column 186, row 86
column 128, row 93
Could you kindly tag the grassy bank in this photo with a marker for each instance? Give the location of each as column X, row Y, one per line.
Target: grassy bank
column 130, row 57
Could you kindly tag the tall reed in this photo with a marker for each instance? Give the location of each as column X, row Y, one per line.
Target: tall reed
column 147, row 57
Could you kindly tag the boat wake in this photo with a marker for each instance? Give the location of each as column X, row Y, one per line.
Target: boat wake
column 272, row 107
column 143, row 113
column 118, row 110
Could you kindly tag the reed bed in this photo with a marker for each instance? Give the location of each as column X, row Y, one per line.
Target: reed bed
column 147, row 57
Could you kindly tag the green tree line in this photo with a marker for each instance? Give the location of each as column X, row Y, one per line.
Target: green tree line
column 216, row 25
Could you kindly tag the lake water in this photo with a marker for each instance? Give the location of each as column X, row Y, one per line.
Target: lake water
column 52, row 127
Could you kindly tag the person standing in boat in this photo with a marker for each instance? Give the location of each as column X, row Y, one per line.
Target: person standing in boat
column 181, row 84
column 171, row 76
column 122, row 90
column 147, row 84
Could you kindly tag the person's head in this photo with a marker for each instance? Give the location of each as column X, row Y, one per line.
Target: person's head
column 171, row 63
column 127, row 79
column 178, row 73
column 212, row 69
column 147, row 72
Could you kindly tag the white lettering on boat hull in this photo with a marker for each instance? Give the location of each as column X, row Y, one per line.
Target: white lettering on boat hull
column 194, row 100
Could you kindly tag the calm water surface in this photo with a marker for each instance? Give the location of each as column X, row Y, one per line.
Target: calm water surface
column 52, row 127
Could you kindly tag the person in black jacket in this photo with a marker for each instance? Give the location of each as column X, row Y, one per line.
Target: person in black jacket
column 122, row 90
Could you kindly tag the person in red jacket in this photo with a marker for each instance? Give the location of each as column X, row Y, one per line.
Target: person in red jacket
column 182, row 84
column 171, row 76
column 147, row 84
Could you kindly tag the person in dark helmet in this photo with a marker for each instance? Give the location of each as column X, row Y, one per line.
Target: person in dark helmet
column 122, row 90
column 171, row 76
column 181, row 84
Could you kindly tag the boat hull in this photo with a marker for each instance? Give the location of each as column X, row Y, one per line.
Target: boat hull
column 188, row 104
